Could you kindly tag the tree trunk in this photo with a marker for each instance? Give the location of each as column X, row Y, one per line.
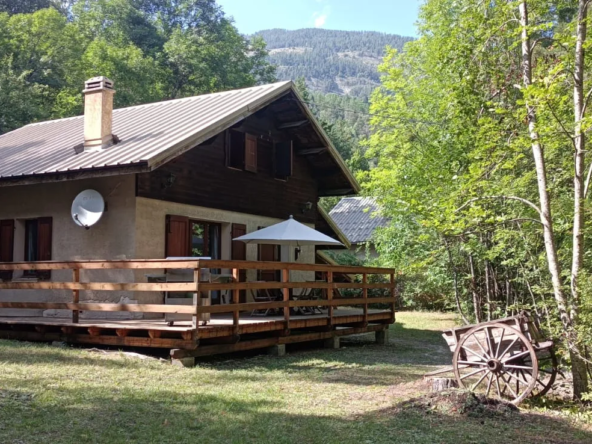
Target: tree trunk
column 455, row 276
column 476, row 299
column 579, row 138
column 541, row 172
column 578, row 365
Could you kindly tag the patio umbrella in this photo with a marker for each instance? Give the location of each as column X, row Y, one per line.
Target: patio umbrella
column 288, row 232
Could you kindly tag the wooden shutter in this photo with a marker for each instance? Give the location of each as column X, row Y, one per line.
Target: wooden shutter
column 235, row 150
column 239, row 253
column 283, row 159
column 44, row 243
column 251, row 153
column 177, row 236
column 6, row 246
column 269, row 253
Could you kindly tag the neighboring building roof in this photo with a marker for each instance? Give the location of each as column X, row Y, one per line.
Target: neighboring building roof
column 150, row 135
column 357, row 218
column 326, row 225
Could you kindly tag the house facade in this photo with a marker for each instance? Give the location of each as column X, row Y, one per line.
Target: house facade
column 179, row 178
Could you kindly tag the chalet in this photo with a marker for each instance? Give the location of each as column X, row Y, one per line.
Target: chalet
column 179, row 178
column 358, row 218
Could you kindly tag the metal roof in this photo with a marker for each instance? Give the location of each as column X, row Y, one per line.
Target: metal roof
column 149, row 134
column 357, row 218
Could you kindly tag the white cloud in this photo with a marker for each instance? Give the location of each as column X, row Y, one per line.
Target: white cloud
column 320, row 17
column 320, row 21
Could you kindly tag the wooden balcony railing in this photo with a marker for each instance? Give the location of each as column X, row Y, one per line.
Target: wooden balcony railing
column 330, row 288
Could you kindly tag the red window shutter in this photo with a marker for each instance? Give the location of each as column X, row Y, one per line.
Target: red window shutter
column 177, row 236
column 44, row 235
column 6, row 246
column 44, row 243
column 251, row 153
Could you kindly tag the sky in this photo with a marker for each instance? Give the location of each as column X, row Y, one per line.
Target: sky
column 390, row 16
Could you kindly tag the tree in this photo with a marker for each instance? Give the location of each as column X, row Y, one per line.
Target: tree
column 153, row 50
column 479, row 139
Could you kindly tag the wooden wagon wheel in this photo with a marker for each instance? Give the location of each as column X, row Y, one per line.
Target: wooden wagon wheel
column 498, row 360
column 548, row 369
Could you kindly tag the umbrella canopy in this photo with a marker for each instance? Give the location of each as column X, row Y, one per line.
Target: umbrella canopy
column 288, row 232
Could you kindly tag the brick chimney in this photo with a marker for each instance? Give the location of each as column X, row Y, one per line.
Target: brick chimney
column 98, row 113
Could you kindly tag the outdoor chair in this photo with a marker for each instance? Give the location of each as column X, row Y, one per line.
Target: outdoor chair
column 263, row 296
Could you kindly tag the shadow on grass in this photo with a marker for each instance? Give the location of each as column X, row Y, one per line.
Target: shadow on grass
column 94, row 414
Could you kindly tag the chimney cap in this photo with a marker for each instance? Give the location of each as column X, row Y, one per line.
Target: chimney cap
column 98, row 83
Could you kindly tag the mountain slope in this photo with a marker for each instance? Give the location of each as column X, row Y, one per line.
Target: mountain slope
column 340, row 62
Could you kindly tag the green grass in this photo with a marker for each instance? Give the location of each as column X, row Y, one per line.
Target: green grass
column 66, row 395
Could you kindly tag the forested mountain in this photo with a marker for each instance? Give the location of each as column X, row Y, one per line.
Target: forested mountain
column 341, row 62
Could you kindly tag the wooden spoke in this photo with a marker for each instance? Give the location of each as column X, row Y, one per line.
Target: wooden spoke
column 474, row 353
column 511, row 375
column 499, row 393
column 488, row 341
column 491, row 375
column 519, row 367
column 481, row 347
column 511, row 358
column 508, row 348
column 479, row 381
column 499, row 344
column 473, row 364
column 473, row 373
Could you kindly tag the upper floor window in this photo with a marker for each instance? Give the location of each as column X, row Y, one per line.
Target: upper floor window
column 283, row 159
column 241, row 151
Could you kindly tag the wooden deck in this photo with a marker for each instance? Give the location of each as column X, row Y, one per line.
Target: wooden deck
column 232, row 327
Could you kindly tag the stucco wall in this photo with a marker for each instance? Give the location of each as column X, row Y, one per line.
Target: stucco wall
column 151, row 225
column 111, row 238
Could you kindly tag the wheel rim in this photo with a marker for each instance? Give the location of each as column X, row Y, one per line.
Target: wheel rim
column 548, row 365
column 497, row 360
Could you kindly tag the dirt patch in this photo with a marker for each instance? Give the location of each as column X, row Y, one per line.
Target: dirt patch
column 459, row 402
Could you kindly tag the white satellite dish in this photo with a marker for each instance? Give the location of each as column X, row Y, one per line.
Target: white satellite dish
column 87, row 208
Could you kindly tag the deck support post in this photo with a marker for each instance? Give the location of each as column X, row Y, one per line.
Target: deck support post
column 330, row 298
column 235, row 300
column 183, row 362
column 393, row 295
column 196, row 304
column 382, row 337
column 333, row 342
column 286, row 298
column 75, row 294
column 277, row 350
column 365, row 296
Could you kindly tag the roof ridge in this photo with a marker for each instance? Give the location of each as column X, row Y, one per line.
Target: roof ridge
column 182, row 99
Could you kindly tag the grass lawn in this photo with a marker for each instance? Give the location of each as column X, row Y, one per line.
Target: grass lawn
column 67, row 395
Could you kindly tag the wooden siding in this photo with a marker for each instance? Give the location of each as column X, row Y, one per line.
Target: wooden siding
column 201, row 178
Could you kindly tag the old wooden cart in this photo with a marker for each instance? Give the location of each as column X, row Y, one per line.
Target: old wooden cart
column 508, row 358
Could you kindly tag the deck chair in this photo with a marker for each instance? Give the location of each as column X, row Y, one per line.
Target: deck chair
column 262, row 296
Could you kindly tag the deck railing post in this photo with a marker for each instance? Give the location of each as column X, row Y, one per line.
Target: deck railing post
column 393, row 283
column 330, row 297
column 365, row 296
column 196, row 302
column 286, row 298
column 75, row 294
column 235, row 300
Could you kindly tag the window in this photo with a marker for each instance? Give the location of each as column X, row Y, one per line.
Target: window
column 192, row 238
column 38, row 243
column 6, row 246
column 283, row 159
column 241, row 151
